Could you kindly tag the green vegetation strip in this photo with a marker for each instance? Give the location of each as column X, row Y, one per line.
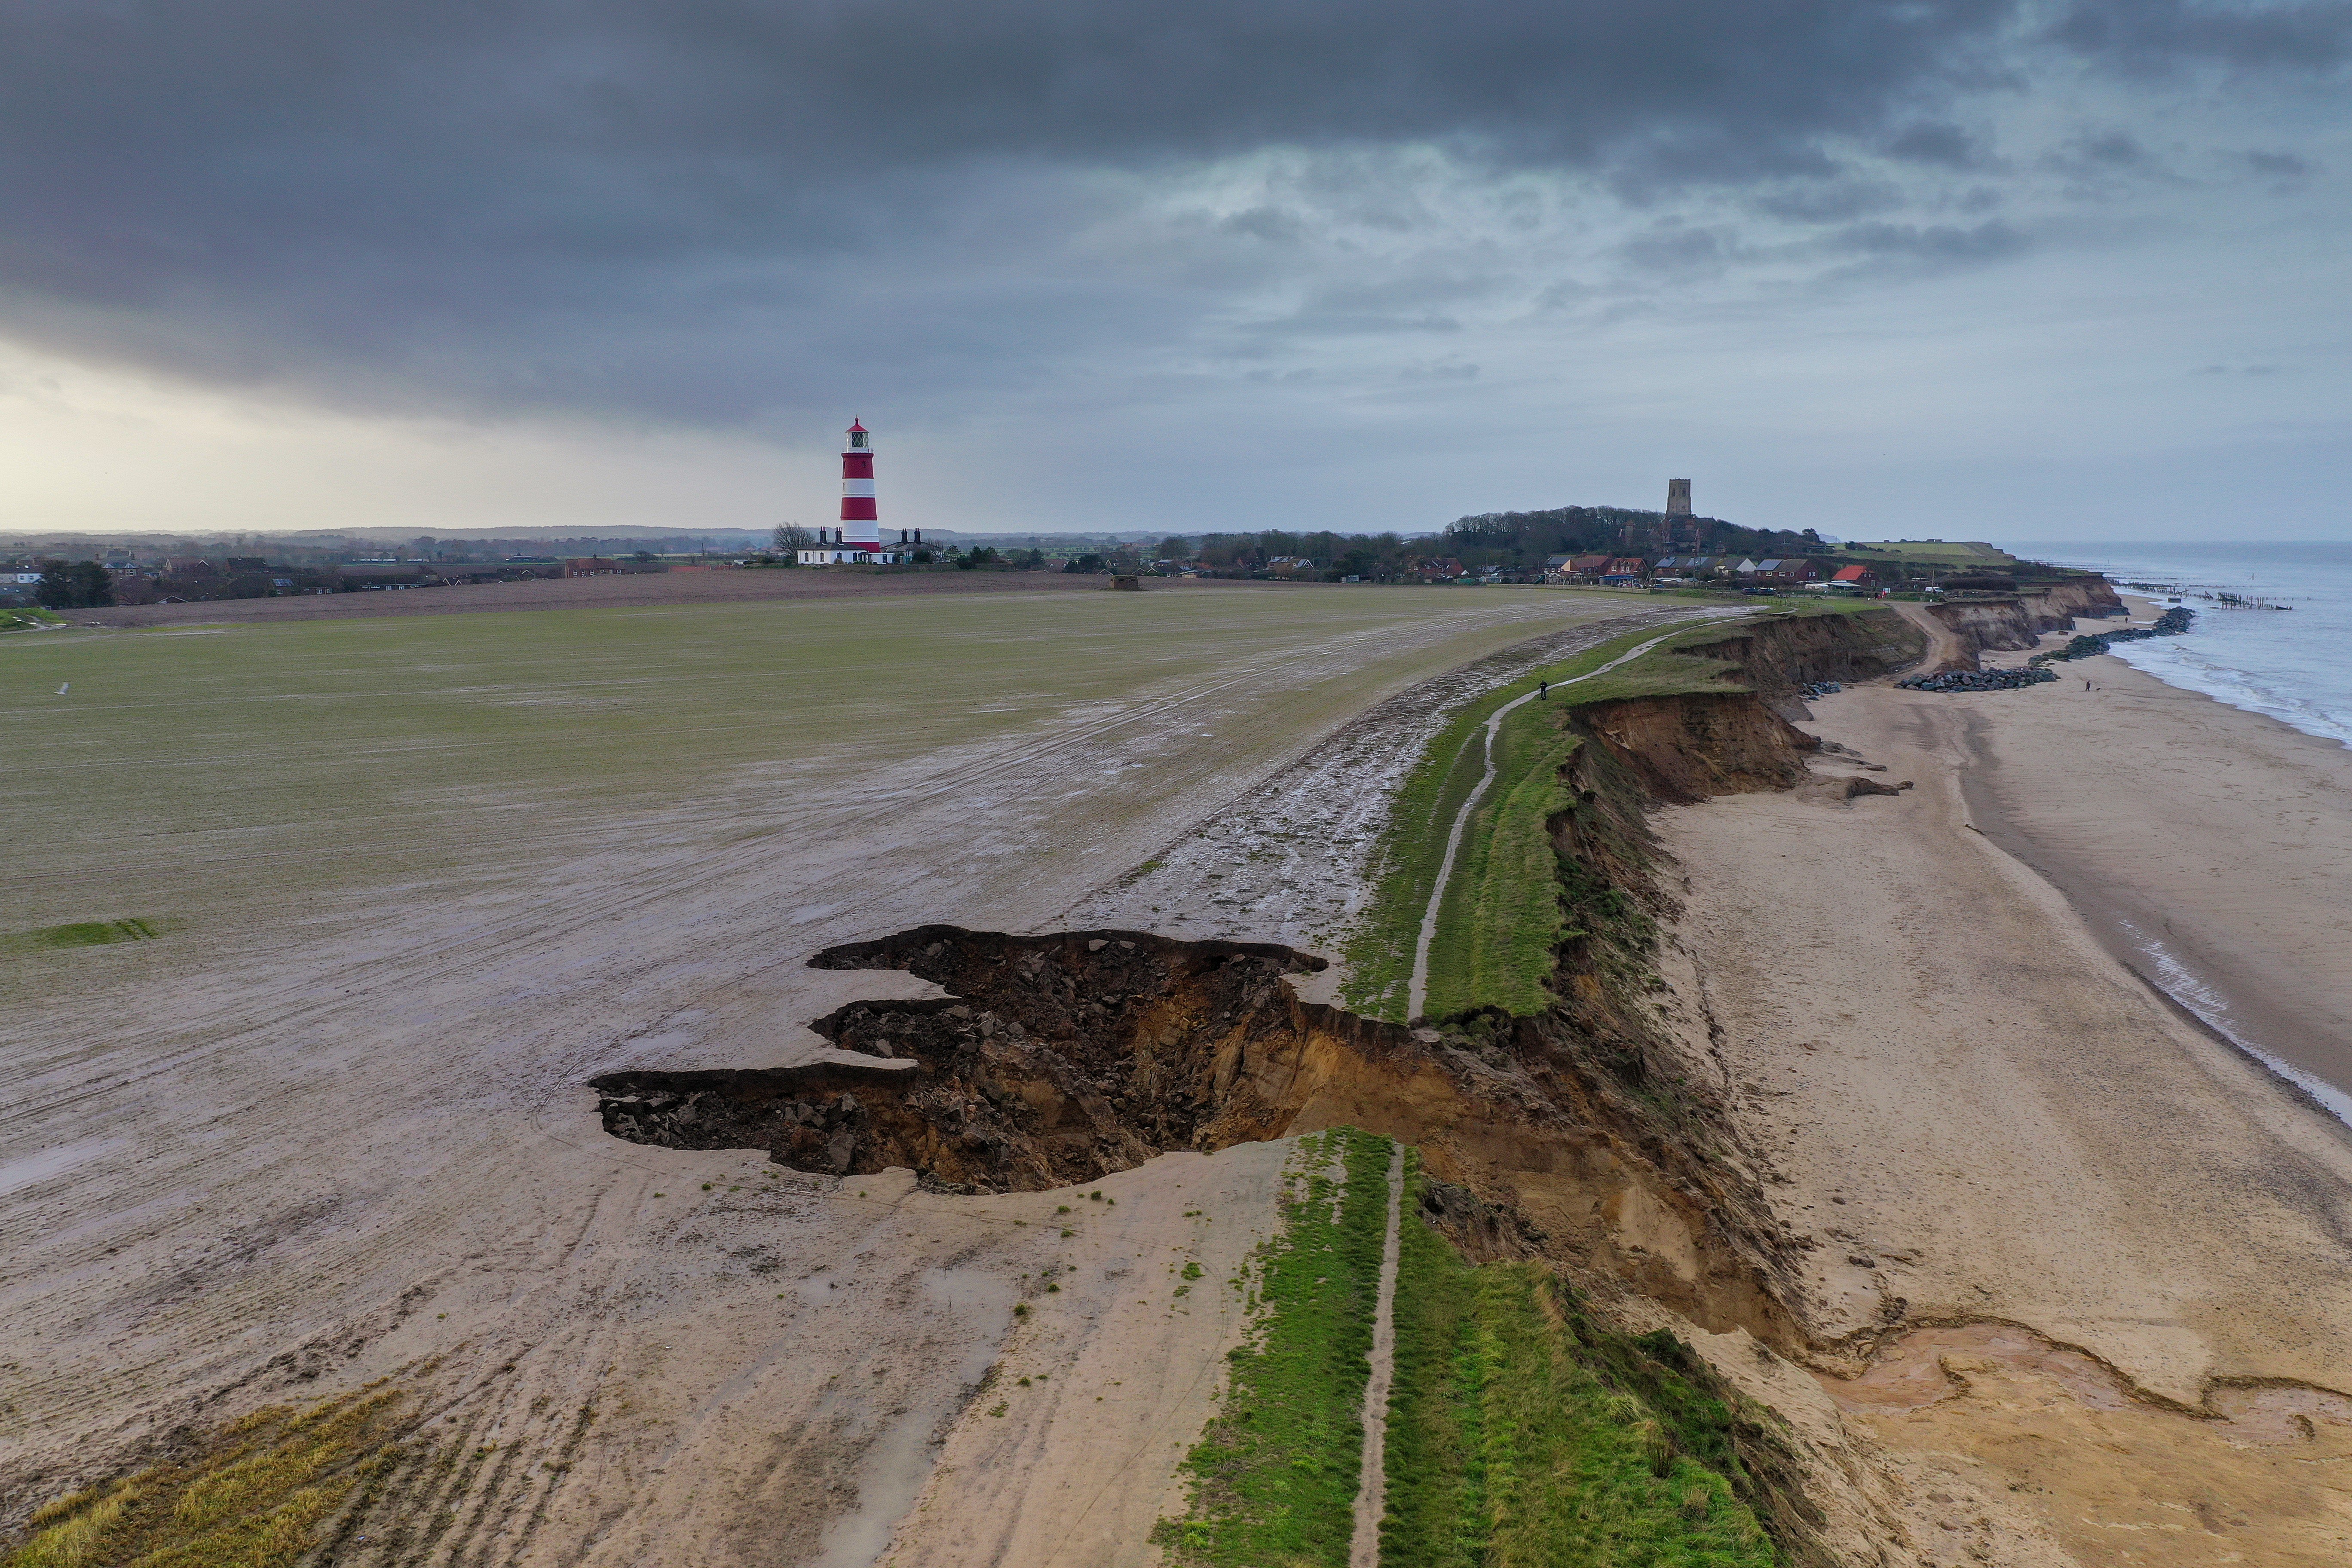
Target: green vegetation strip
column 1503, row 914
column 1502, row 918
column 1520, row 1432
column 80, row 933
column 1379, row 949
column 257, row 1494
column 1273, row 1480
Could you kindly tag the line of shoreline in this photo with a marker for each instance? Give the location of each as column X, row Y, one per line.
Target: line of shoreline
column 2201, row 1001
column 2209, row 850
column 2141, row 604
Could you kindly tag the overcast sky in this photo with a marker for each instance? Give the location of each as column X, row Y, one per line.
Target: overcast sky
column 1951, row 267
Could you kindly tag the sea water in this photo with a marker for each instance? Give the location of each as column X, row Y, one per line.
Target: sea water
column 2289, row 663
column 2293, row 663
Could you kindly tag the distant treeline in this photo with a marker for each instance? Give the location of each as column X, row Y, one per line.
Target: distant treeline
column 1502, row 537
column 1516, row 541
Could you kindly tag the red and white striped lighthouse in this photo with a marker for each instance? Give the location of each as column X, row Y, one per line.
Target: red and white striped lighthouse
column 858, row 525
column 857, row 538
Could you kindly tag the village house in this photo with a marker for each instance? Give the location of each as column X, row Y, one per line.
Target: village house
column 1779, row 570
column 1574, row 568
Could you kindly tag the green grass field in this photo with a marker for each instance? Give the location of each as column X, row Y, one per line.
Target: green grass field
column 1379, row 948
column 1274, row 1478
column 1935, row 551
column 1521, row 1432
column 255, row 778
column 1503, row 913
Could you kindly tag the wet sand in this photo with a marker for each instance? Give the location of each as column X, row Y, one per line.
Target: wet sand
column 2210, row 848
column 2059, row 1229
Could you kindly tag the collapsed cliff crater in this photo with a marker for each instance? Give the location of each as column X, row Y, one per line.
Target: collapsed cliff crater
column 1056, row 1059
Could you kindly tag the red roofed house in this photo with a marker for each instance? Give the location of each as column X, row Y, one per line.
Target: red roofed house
column 1855, row 577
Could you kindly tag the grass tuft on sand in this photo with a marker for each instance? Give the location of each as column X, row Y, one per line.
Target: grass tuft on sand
column 253, row 1495
column 1273, row 1480
column 80, row 933
column 1521, row 1432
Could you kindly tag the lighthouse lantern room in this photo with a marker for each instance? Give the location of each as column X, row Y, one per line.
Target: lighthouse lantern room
column 857, row 539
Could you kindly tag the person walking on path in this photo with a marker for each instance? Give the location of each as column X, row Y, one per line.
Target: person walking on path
column 1543, row 690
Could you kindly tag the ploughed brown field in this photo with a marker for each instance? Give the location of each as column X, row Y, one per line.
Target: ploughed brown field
column 411, row 881
column 626, row 590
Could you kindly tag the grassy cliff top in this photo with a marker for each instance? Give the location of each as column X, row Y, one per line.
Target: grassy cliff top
column 1932, row 552
column 1670, row 669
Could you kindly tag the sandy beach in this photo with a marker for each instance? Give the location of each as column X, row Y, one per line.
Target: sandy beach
column 2095, row 1259
column 2209, row 847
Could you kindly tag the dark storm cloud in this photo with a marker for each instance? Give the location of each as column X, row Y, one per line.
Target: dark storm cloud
column 1931, row 242
column 1829, row 201
column 2286, row 165
column 1677, row 250
column 2115, row 148
column 2157, row 36
column 688, row 209
column 1935, row 142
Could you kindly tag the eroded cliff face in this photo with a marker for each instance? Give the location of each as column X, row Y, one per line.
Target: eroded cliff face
column 1696, row 744
column 1055, row 1060
column 1782, row 654
column 1061, row 1058
column 2015, row 622
column 1692, row 745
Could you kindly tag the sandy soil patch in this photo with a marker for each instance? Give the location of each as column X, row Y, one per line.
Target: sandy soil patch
column 1943, row 648
column 1977, row 1117
column 1069, row 1455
